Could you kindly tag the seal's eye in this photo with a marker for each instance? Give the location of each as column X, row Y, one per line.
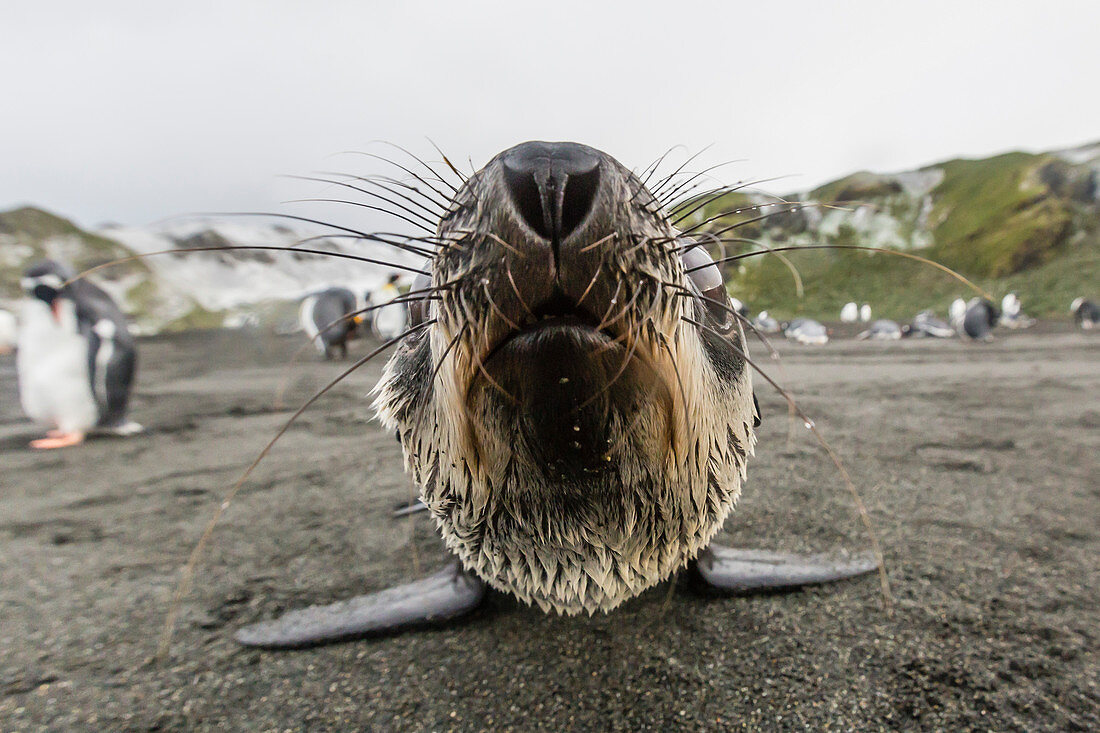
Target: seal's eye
column 419, row 308
column 707, row 279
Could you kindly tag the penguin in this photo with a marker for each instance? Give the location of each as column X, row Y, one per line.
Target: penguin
column 979, row 319
column 326, row 311
column 926, row 325
column 806, row 331
column 8, row 331
column 390, row 321
column 76, row 359
column 849, row 313
column 881, row 330
column 1012, row 315
column 1086, row 314
column 956, row 313
column 764, row 323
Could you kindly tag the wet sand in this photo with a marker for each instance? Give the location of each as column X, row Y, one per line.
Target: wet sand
column 978, row 464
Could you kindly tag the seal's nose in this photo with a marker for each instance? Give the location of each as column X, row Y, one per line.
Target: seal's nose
column 552, row 185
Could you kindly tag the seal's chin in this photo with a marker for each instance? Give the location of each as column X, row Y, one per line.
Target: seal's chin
column 562, row 383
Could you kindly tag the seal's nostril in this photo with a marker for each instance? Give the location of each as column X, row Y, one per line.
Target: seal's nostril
column 580, row 192
column 526, row 196
column 552, row 185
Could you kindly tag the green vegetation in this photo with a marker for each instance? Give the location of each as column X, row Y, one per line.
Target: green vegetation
column 35, row 234
column 1014, row 222
column 994, row 217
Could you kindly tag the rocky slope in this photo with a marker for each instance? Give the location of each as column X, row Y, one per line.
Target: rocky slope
column 1017, row 221
column 188, row 289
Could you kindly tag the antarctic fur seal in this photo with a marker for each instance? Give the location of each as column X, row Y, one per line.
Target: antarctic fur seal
column 574, row 404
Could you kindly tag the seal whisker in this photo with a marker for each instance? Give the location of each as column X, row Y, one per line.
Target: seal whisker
column 424, row 163
column 373, row 237
column 611, row 305
column 419, row 212
column 363, row 205
column 682, row 413
column 446, row 160
column 717, row 194
column 409, row 297
column 404, row 245
column 652, row 167
column 515, row 289
column 504, row 244
column 861, row 509
column 655, row 190
column 496, row 309
column 857, row 247
column 798, row 287
column 247, row 247
column 184, row 584
column 683, row 292
column 415, row 175
column 591, row 282
column 598, row 242
column 385, row 183
column 670, row 195
column 618, row 373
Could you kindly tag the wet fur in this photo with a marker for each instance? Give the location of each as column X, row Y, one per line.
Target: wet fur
column 680, row 410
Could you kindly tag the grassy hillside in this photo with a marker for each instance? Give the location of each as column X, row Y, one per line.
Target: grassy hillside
column 1015, row 222
column 29, row 234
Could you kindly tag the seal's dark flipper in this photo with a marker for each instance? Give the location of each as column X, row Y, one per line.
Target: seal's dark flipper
column 727, row 570
column 413, row 507
column 435, row 599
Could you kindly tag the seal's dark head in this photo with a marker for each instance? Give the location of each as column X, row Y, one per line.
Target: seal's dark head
column 578, row 416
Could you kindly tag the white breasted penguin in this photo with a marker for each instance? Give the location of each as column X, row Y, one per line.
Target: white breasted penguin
column 392, row 320
column 328, row 319
column 76, row 359
column 8, row 330
column 1086, row 314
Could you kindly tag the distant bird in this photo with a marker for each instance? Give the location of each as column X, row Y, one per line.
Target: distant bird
column 882, row 330
column 765, row 323
column 740, row 308
column 76, row 360
column 1011, row 313
column 325, row 318
column 956, row 313
column 926, row 325
column 806, row 331
column 849, row 313
column 979, row 319
column 389, row 321
column 865, row 313
column 1086, row 314
column 8, row 331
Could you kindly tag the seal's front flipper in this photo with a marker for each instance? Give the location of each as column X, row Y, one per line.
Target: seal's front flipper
column 449, row 593
column 727, row 570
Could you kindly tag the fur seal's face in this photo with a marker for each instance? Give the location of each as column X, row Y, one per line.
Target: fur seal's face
column 577, row 417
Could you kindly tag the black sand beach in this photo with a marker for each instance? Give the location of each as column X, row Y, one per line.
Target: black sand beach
column 978, row 464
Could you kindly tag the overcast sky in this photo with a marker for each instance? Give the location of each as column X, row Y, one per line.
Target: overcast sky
column 129, row 112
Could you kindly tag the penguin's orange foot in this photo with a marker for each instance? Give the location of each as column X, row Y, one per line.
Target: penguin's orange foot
column 63, row 440
column 55, row 433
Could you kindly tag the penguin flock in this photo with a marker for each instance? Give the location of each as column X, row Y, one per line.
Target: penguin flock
column 332, row 317
column 76, row 359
